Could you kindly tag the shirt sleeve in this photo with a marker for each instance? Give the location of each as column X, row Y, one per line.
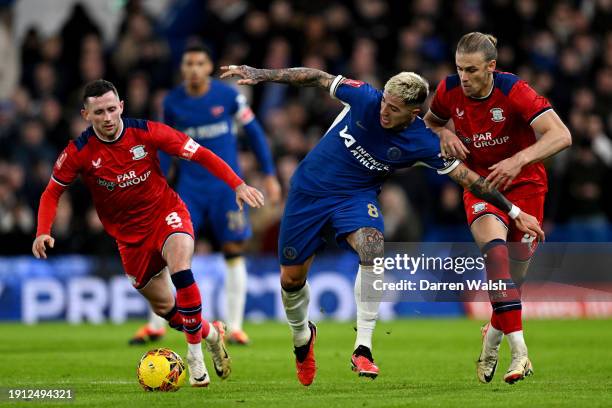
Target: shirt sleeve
column 439, row 163
column 528, row 102
column 440, row 107
column 255, row 133
column 431, row 156
column 351, row 91
column 176, row 143
column 67, row 166
column 48, row 207
column 65, row 170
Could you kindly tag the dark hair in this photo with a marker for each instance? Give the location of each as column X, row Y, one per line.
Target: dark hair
column 478, row 42
column 98, row 88
column 198, row 47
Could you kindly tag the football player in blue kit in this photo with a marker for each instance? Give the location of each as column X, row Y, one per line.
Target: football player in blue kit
column 207, row 110
column 337, row 183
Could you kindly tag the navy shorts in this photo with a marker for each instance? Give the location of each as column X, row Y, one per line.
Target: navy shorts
column 306, row 215
column 220, row 210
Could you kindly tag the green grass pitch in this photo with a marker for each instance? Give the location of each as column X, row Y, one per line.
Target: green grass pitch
column 422, row 362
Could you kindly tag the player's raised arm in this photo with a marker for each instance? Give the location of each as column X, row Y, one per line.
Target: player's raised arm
column 179, row 144
column 293, row 76
column 482, row 189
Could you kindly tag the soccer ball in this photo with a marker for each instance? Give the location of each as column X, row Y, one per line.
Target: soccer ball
column 161, row 370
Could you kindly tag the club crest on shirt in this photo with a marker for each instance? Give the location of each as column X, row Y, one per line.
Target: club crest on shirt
column 479, row 207
column 217, row 110
column 138, row 152
column 394, row 153
column 497, row 115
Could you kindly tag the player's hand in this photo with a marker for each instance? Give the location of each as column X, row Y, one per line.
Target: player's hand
column 248, row 75
column 249, row 195
column 529, row 225
column 39, row 247
column 504, row 172
column 273, row 189
column 451, row 146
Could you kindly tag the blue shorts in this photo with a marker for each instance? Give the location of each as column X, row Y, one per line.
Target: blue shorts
column 218, row 208
column 306, row 215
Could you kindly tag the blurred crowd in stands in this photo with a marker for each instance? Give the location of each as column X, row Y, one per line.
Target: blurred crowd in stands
column 562, row 48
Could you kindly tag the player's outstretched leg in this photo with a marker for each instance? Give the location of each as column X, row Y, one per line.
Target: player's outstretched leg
column 235, row 294
column 362, row 361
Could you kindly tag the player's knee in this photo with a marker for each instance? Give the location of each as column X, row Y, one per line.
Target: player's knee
column 178, row 251
column 292, row 277
column 232, row 250
column 369, row 244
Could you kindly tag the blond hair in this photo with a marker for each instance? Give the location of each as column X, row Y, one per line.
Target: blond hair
column 478, row 42
column 409, row 87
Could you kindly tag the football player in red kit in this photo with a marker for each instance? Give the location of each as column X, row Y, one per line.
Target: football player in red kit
column 496, row 117
column 117, row 161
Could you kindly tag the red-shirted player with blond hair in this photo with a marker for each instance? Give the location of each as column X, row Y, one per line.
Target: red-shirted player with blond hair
column 117, row 161
column 496, row 117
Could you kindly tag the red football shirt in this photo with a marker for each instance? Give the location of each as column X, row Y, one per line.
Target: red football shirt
column 496, row 127
column 128, row 188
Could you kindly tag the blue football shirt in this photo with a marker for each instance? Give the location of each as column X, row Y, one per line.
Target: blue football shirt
column 210, row 120
column 357, row 154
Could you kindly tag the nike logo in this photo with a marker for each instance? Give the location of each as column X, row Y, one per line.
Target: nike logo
column 358, row 123
column 202, row 378
column 489, row 377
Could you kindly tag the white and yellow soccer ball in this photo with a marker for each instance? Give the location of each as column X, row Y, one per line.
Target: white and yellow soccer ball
column 161, row 370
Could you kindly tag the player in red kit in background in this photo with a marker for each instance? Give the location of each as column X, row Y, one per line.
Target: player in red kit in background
column 496, row 117
column 117, row 160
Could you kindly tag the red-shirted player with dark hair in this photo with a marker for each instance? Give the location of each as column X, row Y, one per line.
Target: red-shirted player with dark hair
column 117, row 161
column 496, row 117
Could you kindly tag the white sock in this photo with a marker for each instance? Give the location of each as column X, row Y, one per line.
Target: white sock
column 194, row 348
column 213, row 334
column 494, row 337
column 367, row 311
column 296, row 309
column 235, row 292
column 517, row 343
column 157, row 322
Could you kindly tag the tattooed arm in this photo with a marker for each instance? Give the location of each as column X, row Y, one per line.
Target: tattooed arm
column 292, row 76
column 482, row 189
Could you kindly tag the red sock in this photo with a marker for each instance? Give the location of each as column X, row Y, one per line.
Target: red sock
column 510, row 321
column 175, row 320
column 507, row 302
column 495, row 321
column 189, row 305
